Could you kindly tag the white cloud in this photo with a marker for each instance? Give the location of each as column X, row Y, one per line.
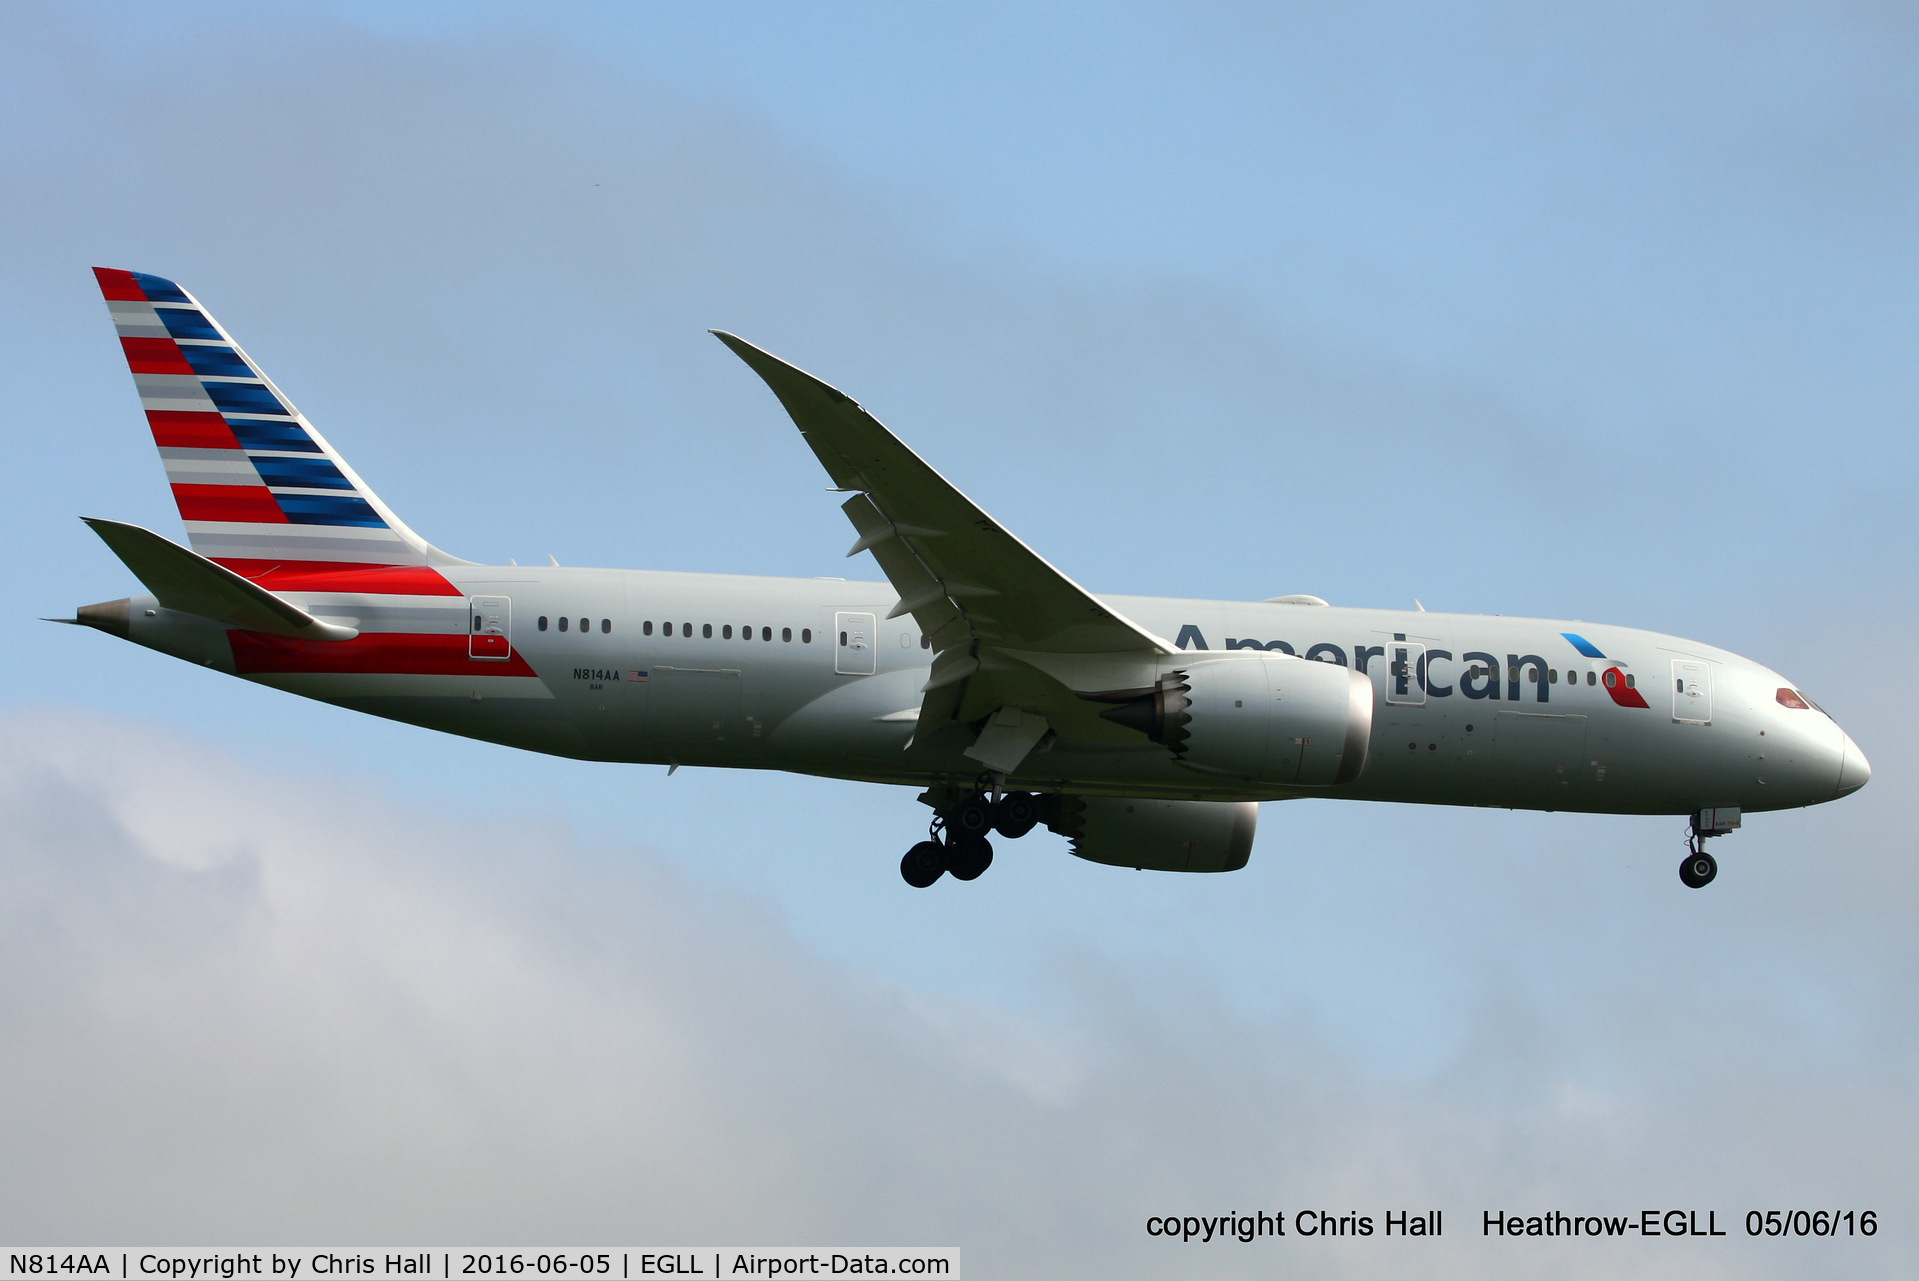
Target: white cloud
column 240, row 1005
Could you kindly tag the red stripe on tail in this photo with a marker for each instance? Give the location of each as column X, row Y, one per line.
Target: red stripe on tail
column 251, row 504
column 191, row 429
column 155, row 356
column 118, row 286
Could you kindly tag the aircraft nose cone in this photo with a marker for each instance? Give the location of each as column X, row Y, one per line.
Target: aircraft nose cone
column 1854, row 770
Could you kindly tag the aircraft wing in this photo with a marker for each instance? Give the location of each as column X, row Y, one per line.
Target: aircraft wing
column 997, row 614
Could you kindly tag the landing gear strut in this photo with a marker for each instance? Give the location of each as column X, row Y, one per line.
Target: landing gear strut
column 957, row 838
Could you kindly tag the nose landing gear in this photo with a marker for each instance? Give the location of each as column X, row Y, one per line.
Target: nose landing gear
column 1698, row 868
column 957, row 838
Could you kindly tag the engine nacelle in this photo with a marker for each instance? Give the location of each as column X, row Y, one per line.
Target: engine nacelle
column 1262, row 717
column 1159, row 836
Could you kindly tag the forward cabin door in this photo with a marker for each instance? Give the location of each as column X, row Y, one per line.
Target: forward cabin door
column 853, row 655
column 490, row 634
column 1692, row 691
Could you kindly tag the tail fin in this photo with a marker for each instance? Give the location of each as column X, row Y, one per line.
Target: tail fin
column 260, row 490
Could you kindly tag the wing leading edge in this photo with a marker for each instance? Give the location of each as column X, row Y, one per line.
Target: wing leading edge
column 1010, row 632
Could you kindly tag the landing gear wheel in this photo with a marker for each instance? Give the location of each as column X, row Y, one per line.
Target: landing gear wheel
column 1698, row 870
column 972, row 817
column 1016, row 814
column 967, row 858
column 924, row 864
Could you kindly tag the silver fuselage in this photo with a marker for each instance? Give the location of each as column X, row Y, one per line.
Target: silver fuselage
column 1539, row 732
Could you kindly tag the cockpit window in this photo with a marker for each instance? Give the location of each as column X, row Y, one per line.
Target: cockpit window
column 1791, row 698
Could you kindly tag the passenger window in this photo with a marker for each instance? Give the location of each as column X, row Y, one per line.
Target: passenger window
column 806, row 636
column 1554, row 674
column 542, row 622
column 706, row 631
column 1612, row 680
column 786, row 634
column 926, row 642
column 766, row 633
column 606, row 626
column 562, row 624
column 726, row 632
column 1631, row 681
column 646, row 628
column 686, row 630
column 1589, row 678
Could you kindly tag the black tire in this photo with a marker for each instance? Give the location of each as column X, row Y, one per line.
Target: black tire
column 966, row 859
column 923, row 864
column 1016, row 814
column 1697, row 871
column 972, row 817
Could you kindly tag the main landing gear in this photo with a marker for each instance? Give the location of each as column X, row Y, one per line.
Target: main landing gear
column 957, row 839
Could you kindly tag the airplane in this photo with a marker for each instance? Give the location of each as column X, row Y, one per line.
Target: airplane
column 1145, row 730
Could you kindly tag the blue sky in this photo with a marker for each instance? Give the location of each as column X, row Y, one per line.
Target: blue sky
column 1600, row 313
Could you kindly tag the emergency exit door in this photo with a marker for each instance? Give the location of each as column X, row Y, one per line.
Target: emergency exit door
column 490, row 634
column 855, row 634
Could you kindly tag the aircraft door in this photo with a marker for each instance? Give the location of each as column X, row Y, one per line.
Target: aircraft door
column 854, row 655
column 489, row 635
column 1692, row 691
column 1406, row 673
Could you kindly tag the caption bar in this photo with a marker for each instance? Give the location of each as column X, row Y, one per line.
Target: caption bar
column 707, row 1262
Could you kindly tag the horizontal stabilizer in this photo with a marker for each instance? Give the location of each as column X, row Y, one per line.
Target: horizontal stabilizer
column 193, row 584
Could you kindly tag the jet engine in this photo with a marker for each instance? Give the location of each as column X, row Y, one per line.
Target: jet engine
column 1265, row 718
column 1159, row 836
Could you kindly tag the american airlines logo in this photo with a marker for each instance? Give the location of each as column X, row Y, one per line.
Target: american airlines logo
column 1420, row 665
